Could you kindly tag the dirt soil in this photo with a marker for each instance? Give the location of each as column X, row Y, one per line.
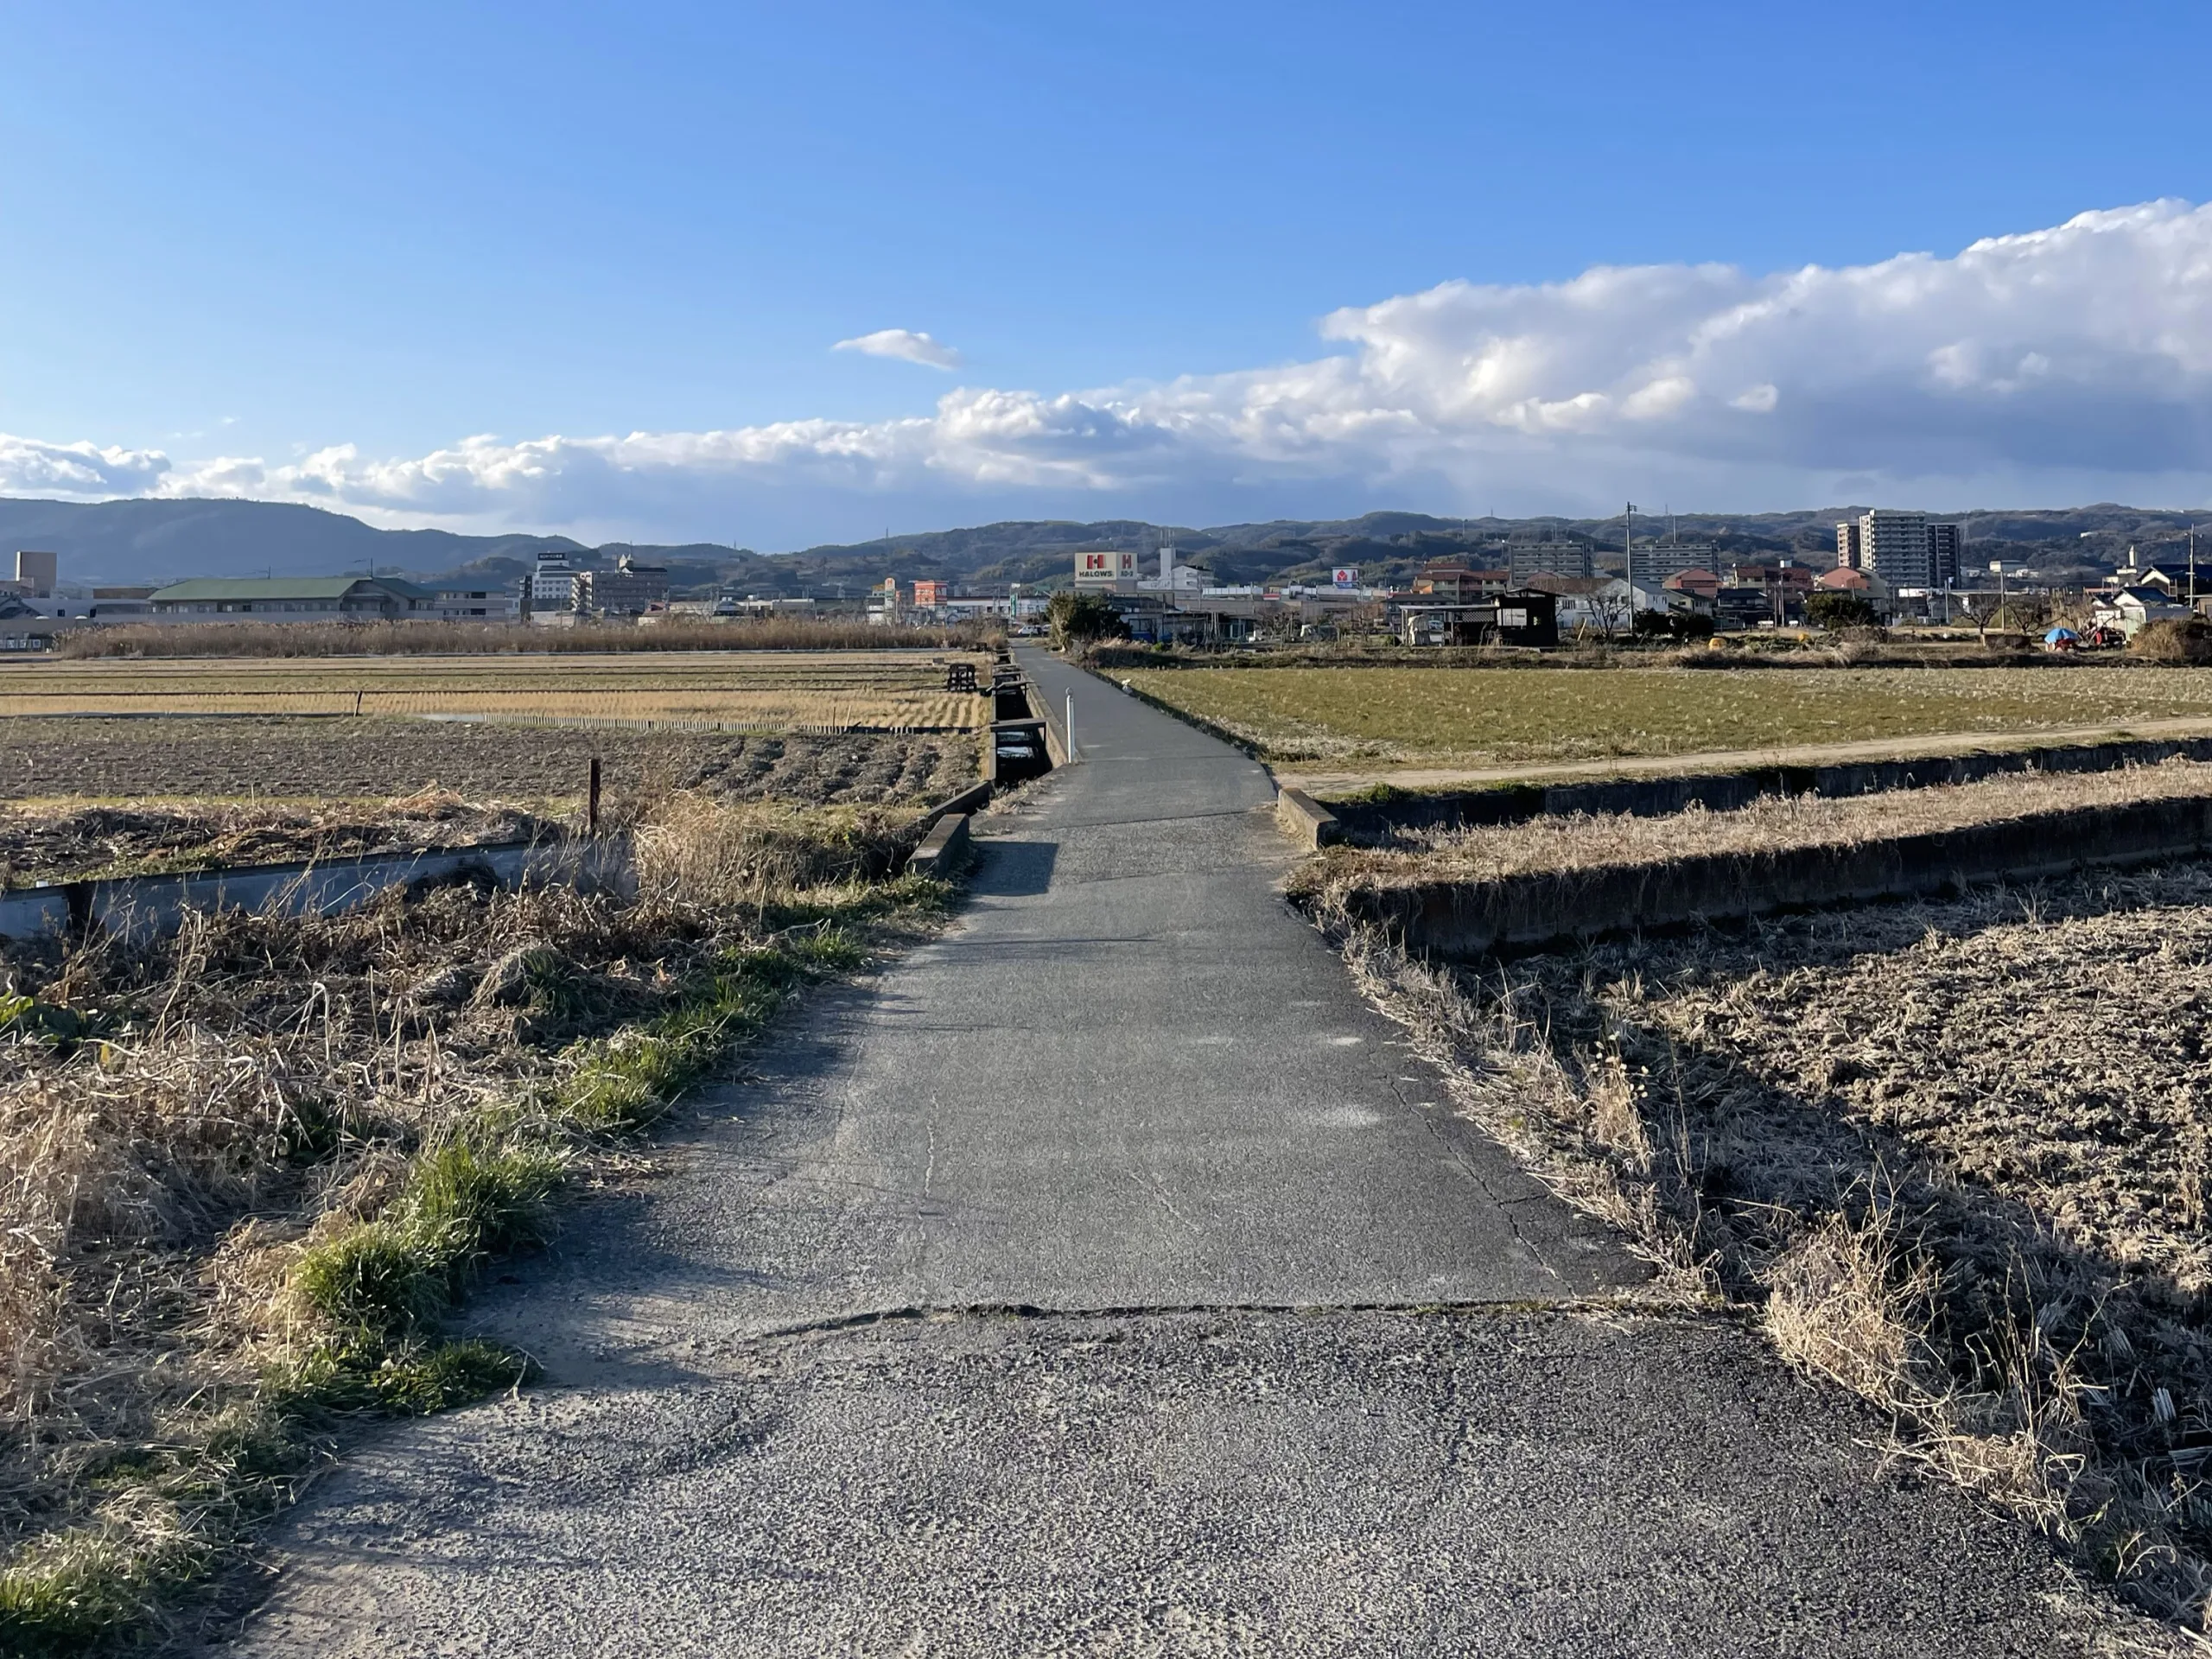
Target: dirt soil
column 295, row 759
column 58, row 843
column 1960, row 1151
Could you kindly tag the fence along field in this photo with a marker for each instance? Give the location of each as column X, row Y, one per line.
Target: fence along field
column 806, row 691
column 1476, row 716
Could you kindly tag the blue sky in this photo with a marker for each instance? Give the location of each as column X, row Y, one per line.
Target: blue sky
column 303, row 253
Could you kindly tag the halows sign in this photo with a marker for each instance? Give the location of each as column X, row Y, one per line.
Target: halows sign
column 1105, row 566
column 1345, row 575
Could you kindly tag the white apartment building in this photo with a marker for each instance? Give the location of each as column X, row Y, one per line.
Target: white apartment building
column 1902, row 547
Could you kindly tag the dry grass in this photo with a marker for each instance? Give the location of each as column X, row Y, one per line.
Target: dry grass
column 487, row 640
column 242, row 1171
column 1952, row 1156
column 1769, row 824
column 811, row 691
column 1474, row 717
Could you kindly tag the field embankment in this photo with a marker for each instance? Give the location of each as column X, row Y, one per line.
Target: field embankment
column 1462, row 718
column 248, row 1169
column 64, row 842
column 1950, row 1154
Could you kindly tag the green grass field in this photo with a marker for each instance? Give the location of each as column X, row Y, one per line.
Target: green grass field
column 1476, row 717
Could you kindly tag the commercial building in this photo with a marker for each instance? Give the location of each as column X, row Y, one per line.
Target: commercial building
column 457, row 602
column 628, row 589
column 36, row 573
column 1098, row 568
column 552, row 585
column 122, row 604
column 290, row 599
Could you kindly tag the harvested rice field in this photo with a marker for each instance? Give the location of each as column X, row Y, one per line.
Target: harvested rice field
column 1769, row 824
column 751, row 690
column 308, row 760
column 1474, row 717
column 1954, row 1155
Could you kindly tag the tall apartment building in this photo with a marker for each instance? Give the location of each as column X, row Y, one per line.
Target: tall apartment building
column 1902, row 547
column 1528, row 559
column 1657, row 561
column 1943, row 550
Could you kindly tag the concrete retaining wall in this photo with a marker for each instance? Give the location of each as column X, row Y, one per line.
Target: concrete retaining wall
column 1546, row 908
column 943, row 849
column 974, row 799
column 1305, row 820
column 1370, row 822
column 154, row 904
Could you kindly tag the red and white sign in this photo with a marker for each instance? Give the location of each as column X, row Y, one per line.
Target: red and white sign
column 1345, row 575
column 1108, row 565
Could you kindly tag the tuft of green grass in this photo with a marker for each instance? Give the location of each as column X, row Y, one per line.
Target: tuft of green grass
column 622, row 1083
column 464, row 1201
column 354, row 1375
column 86, row 1589
column 79, row 1590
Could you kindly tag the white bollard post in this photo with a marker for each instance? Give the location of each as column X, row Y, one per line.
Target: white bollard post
column 1071, row 728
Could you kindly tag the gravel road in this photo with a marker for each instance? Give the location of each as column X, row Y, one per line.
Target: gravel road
column 1106, row 1277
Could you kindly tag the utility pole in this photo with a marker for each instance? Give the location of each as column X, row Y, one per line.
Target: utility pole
column 1628, row 546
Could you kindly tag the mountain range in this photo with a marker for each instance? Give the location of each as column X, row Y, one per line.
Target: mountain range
column 140, row 542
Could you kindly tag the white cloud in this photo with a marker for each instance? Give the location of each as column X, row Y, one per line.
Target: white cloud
column 903, row 343
column 2060, row 364
column 78, row 470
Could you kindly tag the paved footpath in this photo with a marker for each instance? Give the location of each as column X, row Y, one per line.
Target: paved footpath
column 1106, row 1277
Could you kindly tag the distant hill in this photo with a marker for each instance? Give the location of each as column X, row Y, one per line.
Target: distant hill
column 168, row 541
column 125, row 542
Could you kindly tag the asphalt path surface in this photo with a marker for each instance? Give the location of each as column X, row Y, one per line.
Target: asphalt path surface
column 1107, row 1277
